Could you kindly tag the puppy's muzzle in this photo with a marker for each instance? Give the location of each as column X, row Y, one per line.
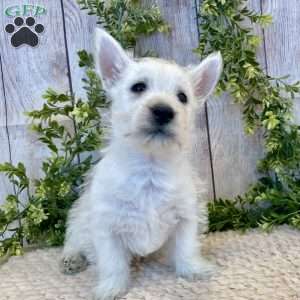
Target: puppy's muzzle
column 162, row 115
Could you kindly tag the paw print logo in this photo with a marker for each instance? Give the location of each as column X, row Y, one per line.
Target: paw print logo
column 24, row 32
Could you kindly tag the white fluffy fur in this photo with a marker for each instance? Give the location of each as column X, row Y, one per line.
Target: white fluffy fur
column 142, row 196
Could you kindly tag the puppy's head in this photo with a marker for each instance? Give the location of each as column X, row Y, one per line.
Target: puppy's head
column 153, row 100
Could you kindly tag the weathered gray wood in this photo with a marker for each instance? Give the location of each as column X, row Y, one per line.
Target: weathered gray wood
column 80, row 35
column 5, row 187
column 282, row 41
column 27, row 73
column 2, row 101
column 234, row 153
column 178, row 46
column 183, row 38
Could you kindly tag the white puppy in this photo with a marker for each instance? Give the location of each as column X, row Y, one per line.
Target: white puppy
column 142, row 196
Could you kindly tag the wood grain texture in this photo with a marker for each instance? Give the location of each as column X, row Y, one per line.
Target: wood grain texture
column 27, row 73
column 80, row 35
column 178, row 45
column 5, row 187
column 234, row 154
column 282, row 41
column 3, row 115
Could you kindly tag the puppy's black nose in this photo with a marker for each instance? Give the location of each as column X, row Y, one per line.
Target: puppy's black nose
column 162, row 114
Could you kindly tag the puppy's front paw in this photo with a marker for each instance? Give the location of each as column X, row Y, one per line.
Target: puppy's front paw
column 110, row 288
column 72, row 264
column 195, row 269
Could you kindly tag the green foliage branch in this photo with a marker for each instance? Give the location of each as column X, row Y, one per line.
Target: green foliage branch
column 35, row 212
column 125, row 20
column 267, row 104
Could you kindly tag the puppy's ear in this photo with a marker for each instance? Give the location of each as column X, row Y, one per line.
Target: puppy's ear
column 206, row 75
column 110, row 58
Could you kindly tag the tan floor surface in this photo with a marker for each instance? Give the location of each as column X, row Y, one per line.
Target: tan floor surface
column 254, row 266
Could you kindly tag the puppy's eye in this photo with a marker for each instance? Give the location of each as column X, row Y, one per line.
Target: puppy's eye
column 139, row 87
column 182, row 97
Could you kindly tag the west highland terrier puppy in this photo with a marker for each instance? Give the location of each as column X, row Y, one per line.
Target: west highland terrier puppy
column 143, row 195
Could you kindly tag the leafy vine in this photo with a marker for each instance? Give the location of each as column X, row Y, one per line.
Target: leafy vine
column 268, row 106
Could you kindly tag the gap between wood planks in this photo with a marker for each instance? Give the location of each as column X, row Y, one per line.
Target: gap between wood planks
column 197, row 5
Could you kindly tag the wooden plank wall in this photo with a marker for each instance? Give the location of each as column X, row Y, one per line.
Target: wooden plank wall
column 282, row 42
column 225, row 156
column 234, row 155
column 27, row 72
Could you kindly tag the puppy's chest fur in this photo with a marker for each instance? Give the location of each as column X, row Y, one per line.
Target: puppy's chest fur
column 146, row 206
